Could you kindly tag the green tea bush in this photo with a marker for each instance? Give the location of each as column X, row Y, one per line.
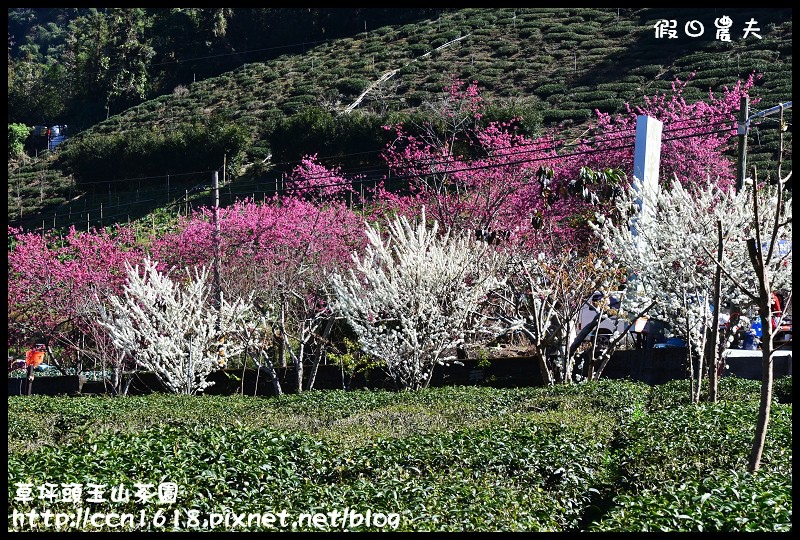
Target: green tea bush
column 352, row 85
column 190, row 147
column 689, row 442
column 506, row 50
column 620, row 88
column 418, row 49
column 510, row 474
column 594, row 43
column 619, row 398
column 591, row 94
column 677, row 393
column 509, row 479
column 565, row 458
column 561, row 115
column 530, row 34
column 605, row 104
column 726, row 501
column 551, row 88
column 782, row 389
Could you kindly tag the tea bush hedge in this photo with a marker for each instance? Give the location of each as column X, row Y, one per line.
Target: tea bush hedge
column 612, row 455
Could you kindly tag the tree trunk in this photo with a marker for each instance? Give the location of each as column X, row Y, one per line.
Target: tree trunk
column 312, row 376
column 701, row 357
column 116, row 379
column 269, row 370
column 713, row 339
column 544, row 369
column 569, row 358
column 126, row 385
column 764, row 304
column 430, row 373
column 765, row 405
column 298, row 363
column 694, row 396
column 282, row 342
column 317, row 357
column 585, row 331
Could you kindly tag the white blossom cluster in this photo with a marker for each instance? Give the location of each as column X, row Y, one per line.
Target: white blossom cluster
column 171, row 329
column 413, row 295
column 671, row 255
column 777, row 256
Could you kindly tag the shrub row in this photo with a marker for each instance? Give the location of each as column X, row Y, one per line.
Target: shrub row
column 142, row 153
column 566, row 458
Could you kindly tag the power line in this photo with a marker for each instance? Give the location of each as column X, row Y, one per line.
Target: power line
column 434, row 162
column 491, row 165
column 375, row 180
column 479, row 167
column 700, row 118
column 552, row 147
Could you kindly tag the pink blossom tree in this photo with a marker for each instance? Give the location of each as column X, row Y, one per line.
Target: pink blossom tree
column 283, row 251
column 51, row 284
column 491, row 178
column 311, row 179
column 695, row 138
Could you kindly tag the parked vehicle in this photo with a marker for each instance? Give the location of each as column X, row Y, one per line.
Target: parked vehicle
column 611, row 324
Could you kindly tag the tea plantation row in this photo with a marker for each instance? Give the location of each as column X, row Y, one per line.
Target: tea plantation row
column 604, row 456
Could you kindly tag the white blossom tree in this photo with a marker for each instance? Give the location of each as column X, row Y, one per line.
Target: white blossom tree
column 172, row 329
column 668, row 255
column 764, row 247
column 672, row 257
column 415, row 295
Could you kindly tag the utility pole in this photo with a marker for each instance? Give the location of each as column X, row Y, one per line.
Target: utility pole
column 215, row 216
column 741, row 165
column 744, row 127
column 646, row 164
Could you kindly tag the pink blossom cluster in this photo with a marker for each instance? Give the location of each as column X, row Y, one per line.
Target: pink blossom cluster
column 490, row 177
column 52, row 280
column 467, row 173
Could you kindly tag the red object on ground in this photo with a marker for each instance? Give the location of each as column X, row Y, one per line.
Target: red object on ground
column 34, row 358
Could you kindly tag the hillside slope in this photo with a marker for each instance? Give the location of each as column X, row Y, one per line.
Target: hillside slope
column 552, row 66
